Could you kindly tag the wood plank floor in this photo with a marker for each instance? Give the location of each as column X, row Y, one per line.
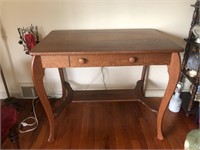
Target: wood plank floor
column 106, row 125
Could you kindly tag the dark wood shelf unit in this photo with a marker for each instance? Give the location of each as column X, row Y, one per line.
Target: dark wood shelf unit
column 196, row 6
column 192, row 80
column 185, row 96
column 193, row 43
column 191, row 48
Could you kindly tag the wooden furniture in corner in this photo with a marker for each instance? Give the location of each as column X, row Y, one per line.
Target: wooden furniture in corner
column 191, row 48
column 100, row 48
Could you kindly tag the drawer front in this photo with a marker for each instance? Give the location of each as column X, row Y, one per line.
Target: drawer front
column 55, row 61
column 157, row 59
column 106, row 60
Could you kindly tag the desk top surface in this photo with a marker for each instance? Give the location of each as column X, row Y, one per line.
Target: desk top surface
column 105, row 41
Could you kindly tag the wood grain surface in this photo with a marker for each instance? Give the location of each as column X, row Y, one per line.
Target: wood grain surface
column 106, row 125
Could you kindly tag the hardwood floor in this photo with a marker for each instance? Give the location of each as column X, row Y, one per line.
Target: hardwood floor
column 106, row 125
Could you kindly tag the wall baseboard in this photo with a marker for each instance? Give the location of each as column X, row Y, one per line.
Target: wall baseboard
column 3, row 95
column 148, row 93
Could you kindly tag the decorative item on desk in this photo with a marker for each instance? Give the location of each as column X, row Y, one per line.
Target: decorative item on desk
column 175, row 102
column 28, row 37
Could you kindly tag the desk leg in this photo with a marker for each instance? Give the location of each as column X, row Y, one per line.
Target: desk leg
column 67, row 95
column 174, row 72
column 139, row 92
column 37, row 75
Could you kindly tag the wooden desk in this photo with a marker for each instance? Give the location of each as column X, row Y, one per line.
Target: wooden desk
column 99, row 48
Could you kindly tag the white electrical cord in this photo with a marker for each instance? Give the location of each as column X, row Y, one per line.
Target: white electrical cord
column 103, row 77
column 101, row 72
column 24, row 122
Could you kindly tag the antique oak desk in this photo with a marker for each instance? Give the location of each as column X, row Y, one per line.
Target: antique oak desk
column 99, row 48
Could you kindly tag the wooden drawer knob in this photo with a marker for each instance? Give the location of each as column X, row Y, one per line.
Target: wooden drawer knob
column 132, row 59
column 82, row 60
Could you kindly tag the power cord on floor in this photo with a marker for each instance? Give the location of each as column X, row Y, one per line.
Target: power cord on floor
column 34, row 119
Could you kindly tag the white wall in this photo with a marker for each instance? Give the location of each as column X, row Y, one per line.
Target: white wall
column 170, row 16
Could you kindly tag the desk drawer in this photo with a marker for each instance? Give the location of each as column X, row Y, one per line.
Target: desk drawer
column 55, row 61
column 157, row 59
column 106, row 60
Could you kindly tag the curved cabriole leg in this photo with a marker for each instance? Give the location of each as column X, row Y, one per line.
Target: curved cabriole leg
column 66, row 96
column 37, row 75
column 140, row 92
column 140, row 84
column 174, row 72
